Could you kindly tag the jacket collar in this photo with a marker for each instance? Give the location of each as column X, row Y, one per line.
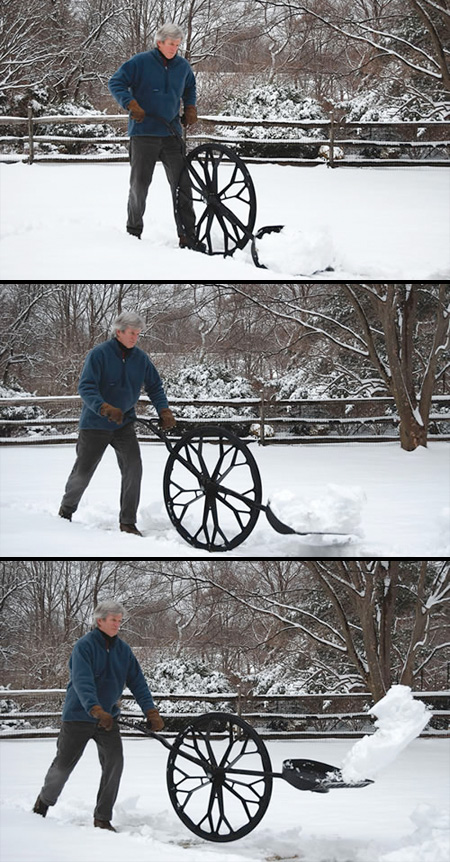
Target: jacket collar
column 162, row 59
column 105, row 639
column 120, row 349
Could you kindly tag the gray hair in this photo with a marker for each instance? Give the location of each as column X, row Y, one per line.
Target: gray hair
column 125, row 319
column 169, row 31
column 107, row 606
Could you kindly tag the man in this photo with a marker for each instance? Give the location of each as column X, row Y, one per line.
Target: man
column 110, row 384
column 151, row 86
column 101, row 665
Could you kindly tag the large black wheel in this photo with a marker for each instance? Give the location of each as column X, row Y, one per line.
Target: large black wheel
column 226, row 794
column 212, row 489
column 223, row 196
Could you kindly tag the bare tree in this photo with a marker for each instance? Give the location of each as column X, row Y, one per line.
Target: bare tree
column 402, row 330
column 383, row 618
column 380, row 26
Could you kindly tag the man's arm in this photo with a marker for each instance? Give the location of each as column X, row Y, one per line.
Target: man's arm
column 190, row 90
column 155, row 391
column 154, row 387
column 137, row 684
column 89, row 384
column 89, row 390
column 82, row 677
column 121, row 83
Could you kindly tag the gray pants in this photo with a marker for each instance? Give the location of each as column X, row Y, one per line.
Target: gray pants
column 72, row 740
column 145, row 151
column 91, row 446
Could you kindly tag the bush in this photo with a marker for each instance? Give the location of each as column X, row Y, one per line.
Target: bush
column 18, row 412
column 274, row 102
column 209, row 380
column 42, row 105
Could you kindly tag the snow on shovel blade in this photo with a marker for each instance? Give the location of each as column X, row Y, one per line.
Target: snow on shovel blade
column 284, row 528
column 316, row 776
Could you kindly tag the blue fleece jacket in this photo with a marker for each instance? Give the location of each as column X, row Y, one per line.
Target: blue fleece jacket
column 99, row 673
column 158, row 85
column 113, row 376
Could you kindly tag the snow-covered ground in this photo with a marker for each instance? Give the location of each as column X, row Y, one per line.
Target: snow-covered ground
column 67, row 222
column 393, row 503
column 402, row 817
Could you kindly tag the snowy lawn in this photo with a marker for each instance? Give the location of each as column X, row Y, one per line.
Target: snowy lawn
column 393, row 503
column 67, row 222
column 402, row 817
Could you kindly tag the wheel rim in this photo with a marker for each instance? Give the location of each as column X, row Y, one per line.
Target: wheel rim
column 211, row 801
column 223, row 196
column 200, row 480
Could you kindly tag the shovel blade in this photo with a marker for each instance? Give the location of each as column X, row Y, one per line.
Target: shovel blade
column 276, row 523
column 316, row 776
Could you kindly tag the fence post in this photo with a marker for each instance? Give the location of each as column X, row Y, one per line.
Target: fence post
column 262, row 416
column 30, row 135
column 331, row 159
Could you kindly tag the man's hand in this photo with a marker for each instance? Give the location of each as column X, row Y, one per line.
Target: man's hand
column 154, row 720
column 114, row 414
column 104, row 718
column 137, row 113
column 189, row 117
column 167, row 418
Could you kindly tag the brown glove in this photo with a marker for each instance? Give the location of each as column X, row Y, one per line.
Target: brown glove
column 104, row 718
column 154, row 720
column 137, row 113
column 167, row 419
column 189, row 117
column 114, row 414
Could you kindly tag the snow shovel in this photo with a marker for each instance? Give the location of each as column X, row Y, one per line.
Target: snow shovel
column 205, row 508
column 219, row 775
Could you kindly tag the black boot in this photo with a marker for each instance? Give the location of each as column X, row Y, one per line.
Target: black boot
column 64, row 513
column 40, row 807
column 193, row 244
column 130, row 528
column 104, row 824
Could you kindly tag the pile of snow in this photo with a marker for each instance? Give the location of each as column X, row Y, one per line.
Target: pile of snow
column 430, row 840
column 338, row 509
column 300, row 252
column 400, row 719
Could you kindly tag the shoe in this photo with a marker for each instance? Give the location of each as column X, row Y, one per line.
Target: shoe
column 40, row 807
column 104, row 824
column 193, row 244
column 132, row 233
column 64, row 513
column 130, row 528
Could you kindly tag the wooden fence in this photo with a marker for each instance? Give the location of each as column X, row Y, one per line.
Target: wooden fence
column 274, row 716
column 396, row 142
column 328, row 420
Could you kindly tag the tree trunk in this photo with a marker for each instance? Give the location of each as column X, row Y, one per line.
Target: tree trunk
column 412, row 433
column 398, row 313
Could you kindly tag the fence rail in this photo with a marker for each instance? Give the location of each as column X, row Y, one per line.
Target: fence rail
column 291, row 715
column 423, row 135
column 272, row 421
